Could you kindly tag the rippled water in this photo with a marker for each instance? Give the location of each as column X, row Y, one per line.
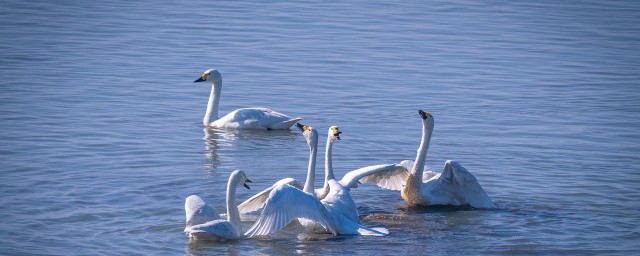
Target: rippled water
column 101, row 141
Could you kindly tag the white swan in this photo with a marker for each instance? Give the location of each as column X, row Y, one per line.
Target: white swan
column 453, row 186
column 244, row 118
column 204, row 223
column 336, row 213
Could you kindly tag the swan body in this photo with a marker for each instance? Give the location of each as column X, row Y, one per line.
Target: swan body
column 336, row 213
column 244, row 118
column 202, row 221
column 455, row 185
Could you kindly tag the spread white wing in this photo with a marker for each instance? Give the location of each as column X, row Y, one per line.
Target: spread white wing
column 257, row 201
column 198, row 212
column 466, row 185
column 389, row 176
column 286, row 203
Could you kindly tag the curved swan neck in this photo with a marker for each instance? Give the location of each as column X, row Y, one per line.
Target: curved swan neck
column 311, row 171
column 233, row 215
column 421, row 157
column 328, row 167
column 214, row 101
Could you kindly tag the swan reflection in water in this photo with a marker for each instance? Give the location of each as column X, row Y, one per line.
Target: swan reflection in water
column 221, row 141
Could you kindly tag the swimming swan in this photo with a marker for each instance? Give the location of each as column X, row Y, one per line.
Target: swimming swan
column 453, row 186
column 244, row 118
column 204, row 223
column 336, row 213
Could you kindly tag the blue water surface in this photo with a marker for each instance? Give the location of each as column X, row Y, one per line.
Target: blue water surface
column 101, row 137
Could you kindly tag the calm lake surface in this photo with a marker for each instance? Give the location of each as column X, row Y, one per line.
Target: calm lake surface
column 101, row 137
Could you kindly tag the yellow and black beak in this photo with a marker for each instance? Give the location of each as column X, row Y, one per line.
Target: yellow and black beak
column 202, row 78
column 302, row 127
column 245, row 183
column 337, row 135
column 423, row 115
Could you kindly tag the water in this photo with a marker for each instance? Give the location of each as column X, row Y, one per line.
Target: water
column 101, row 141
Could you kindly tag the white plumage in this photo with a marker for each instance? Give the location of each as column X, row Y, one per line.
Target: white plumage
column 453, row 186
column 336, row 213
column 244, row 118
column 257, row 201
column 202, row 221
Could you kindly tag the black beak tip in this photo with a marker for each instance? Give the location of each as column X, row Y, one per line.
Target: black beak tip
column 246, row 186
column 300, row 126
column 423, row 115
column 198, row 80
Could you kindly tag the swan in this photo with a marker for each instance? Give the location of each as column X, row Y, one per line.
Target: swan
column 204, row 223
column 244, row 118
column 336, row 213
column 455, row 185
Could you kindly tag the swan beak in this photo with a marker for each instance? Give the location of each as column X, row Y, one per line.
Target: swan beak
column 245, row 183
column 303, row 127
column 199, row 80
column 337, row 135
column 423, row 115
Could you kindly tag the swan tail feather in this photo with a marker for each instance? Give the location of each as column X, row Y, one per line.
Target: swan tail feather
column 291, row 122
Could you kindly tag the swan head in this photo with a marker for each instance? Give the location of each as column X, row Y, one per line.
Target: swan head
column 209, row 75
column 310, row 134
column 243, row 179
column 426, row 118
column 334, row 133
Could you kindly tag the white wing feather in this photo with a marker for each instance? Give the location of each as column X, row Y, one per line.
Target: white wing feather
column 286, row 203
column 388, row 176
column 257, row 201
column 467, row 186
column 198, row 212
column 213, row 230
column 344, row 213
column 255, row 118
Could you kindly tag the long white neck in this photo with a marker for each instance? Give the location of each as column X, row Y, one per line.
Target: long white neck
column 418, row 167
column 233, row 215
column 214, row 101
column 311, row 171
column 328, row 167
